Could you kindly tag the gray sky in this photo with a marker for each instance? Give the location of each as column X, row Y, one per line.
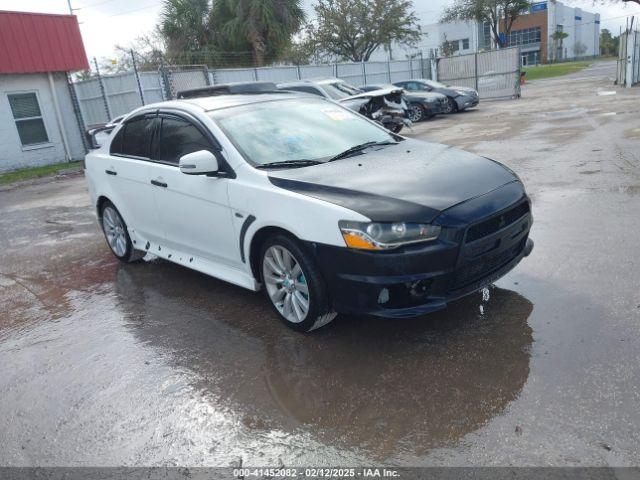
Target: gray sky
column 106, row 22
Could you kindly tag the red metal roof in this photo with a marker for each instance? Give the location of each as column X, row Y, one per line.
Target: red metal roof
column 37, row 42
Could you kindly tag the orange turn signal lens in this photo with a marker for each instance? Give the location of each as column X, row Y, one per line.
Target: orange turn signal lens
column 356, row 241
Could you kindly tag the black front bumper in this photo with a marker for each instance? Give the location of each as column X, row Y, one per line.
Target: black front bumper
column 420, row 279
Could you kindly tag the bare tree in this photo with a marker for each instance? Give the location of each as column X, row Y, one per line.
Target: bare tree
column 494, row 12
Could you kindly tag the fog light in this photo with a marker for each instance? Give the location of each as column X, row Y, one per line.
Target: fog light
column 419, row 288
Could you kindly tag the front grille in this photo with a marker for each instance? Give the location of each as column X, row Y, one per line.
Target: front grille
column 497, row 222
column 486, row 264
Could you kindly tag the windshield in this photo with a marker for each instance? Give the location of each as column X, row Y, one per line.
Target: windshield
column 295, row 129
column 434, row 84
column 339, row 90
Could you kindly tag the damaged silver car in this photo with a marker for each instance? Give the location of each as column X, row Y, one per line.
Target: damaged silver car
column 386, row 106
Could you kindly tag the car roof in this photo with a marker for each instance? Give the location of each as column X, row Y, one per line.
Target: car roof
column 412, row 80
column 218, row 102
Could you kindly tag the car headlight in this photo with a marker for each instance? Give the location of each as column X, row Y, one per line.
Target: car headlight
column 383, row 236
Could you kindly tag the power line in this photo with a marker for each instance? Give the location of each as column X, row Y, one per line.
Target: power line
column 134, row 10
column 123, row 12
column 95, row 4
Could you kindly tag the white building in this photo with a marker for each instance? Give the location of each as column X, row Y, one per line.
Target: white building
column 532, row 32
column 38, row 122
column 582, row 27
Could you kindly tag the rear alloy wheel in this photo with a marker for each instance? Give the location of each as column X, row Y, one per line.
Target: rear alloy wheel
column 293, row 285
column 117, row 236
column 415, row 112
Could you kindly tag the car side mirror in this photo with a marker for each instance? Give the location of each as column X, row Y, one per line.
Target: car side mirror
column 202, row 162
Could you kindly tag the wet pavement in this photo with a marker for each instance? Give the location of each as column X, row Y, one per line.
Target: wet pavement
column 152, row 364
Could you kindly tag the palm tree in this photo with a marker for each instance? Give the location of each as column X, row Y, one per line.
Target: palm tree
column 263, row 26
column 185, row 27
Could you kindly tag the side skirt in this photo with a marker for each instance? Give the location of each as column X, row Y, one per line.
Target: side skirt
column 206, row 266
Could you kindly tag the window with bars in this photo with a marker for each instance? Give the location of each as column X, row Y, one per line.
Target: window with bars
column 28, row 118
column 526, row 36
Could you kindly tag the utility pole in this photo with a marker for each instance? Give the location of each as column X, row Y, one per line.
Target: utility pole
column 70, row 8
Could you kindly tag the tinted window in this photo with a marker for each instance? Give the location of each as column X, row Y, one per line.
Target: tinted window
column 134, row 137
column 179, row 138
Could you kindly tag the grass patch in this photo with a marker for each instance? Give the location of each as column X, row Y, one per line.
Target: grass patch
column 554, row 70
column 36, row 172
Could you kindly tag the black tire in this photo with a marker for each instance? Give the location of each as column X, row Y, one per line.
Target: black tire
column 416, row 112
column 319, row 312
column 130, row 254
column 452, row 106
column 397, row 128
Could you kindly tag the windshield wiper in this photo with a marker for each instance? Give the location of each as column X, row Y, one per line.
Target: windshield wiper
column 358, row 148
column 289, row 164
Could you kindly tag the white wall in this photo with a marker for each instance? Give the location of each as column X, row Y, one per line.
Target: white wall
column 584, row 30
column 12, row 154
column 433, row 36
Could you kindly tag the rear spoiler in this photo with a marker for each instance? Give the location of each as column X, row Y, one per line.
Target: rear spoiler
column 91, row 133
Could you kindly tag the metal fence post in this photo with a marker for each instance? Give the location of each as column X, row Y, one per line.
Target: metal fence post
column 421, row 65
column 255, row 73
column 476, row 70
column 364, row 72
column 411, row 67
column 78, row 113
column 135, row 71
column 389, row 70
column 298, row 73
column 102, row 91
column 164, row 76
column 335, row 69
column 207, row 80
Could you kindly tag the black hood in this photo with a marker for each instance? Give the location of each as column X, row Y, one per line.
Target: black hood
column 412, row 181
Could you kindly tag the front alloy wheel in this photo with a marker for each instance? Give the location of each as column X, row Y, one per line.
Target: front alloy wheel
column 451, row 106
column 286, row 284
column 294, row 285
column 415, row 113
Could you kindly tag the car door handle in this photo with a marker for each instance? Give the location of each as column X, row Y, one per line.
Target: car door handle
column 158, row 184
column 110, row 172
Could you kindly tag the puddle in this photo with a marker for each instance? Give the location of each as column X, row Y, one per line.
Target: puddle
column 573, row 112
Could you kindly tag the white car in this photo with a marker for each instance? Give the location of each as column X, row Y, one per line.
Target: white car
column 323, row 209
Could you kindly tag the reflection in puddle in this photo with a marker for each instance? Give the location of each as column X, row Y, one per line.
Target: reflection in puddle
column 382, row 386
column 159, row 354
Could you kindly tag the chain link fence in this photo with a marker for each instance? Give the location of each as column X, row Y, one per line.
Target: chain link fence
column 104, row 97
column 100, row 99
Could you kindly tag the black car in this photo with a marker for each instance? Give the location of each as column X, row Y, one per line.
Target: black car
column 420, row 105
column 459, row 98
